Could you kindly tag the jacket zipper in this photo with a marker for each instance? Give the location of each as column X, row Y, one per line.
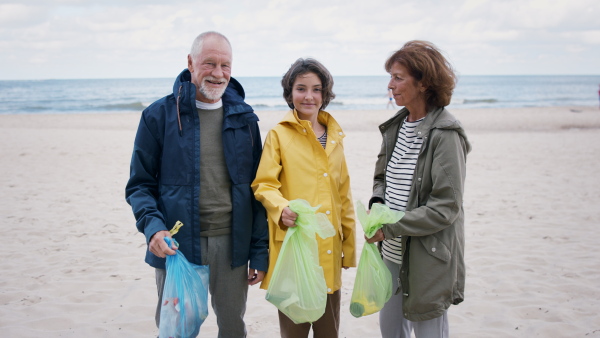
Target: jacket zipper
column 251, row 136
column 178, row 115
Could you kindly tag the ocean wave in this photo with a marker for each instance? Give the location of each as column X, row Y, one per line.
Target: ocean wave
column 124, row 106
column 480, row 101
column 473, row 101
column 34, row 108
column 268, row 105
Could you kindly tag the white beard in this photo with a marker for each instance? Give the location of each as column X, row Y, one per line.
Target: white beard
column 210, row 93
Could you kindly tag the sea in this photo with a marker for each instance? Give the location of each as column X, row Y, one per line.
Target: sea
column 265, row 93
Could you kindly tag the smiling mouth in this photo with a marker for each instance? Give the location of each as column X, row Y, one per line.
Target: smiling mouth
column 214, row 81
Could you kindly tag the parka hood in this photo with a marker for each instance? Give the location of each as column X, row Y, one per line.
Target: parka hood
column 442, row 119
column 436, row 118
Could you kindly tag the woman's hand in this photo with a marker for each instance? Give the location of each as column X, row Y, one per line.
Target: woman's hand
column 288, row 217
column 378, row 237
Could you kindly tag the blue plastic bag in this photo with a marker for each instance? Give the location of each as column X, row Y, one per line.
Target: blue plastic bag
column 185, row 297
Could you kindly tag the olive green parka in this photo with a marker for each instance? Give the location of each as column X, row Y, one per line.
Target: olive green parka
column 432, row 274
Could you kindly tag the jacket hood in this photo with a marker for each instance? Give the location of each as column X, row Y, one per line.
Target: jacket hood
column 436, row 118
column 185, row 93
column 440, row 118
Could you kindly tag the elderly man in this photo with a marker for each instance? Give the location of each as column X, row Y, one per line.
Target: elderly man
column 195, row 154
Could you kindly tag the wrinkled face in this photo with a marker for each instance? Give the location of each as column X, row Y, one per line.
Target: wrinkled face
column 211, row 69
column 406, row 90
column 307, row 94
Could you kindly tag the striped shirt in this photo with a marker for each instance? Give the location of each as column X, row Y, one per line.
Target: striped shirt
column 399, row 177
column 323, row 139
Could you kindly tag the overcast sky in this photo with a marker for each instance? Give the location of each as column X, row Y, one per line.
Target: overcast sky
column 67, row 39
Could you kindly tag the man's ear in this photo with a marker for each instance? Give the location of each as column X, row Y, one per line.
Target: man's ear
column 190, row 64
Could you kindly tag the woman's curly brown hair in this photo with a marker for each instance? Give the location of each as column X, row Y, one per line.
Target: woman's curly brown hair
column 425, row 62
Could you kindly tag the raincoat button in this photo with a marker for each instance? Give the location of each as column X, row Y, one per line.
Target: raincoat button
column 328, row 290
column 419, row 179
column 333, row 142
column 341, row 133
column 325, row 174
column 432, row 249
column 328, row 212
column 329, row 252
column 304, row 130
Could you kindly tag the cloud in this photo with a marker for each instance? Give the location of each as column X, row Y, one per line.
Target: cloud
column 150, row 38
column 17, row 15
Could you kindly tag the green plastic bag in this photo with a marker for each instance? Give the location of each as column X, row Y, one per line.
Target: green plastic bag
column 297, row 287
column 373, row 282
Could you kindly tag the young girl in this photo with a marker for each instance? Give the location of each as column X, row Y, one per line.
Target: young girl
column 303, row 157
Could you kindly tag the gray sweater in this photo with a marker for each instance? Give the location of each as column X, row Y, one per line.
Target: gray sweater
column 215, row 192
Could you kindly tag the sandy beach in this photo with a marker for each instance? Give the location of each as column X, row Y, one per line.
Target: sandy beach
column 73, row 260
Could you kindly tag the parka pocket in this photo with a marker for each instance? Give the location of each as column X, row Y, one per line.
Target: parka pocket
column 280, row 234
column 435, row 247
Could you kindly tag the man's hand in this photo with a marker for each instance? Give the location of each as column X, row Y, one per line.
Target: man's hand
column 288, row 217
column 255, row 276
column 159, row 247
column 378, row 237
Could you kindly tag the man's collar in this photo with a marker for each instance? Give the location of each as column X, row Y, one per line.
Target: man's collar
column 209, row 106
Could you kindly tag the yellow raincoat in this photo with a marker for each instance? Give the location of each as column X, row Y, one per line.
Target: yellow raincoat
column 295, row 165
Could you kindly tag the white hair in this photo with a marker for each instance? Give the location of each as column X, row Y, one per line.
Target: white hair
column 199, row 41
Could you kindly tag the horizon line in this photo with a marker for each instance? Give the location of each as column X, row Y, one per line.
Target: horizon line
column 273, row 76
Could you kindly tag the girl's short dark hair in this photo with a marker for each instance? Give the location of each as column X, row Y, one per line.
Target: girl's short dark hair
column 425, row 62
column 305, row 66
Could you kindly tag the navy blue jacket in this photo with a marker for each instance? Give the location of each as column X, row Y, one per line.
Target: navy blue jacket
column 164, row 184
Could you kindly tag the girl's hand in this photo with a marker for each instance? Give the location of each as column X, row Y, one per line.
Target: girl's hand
column 288, row 217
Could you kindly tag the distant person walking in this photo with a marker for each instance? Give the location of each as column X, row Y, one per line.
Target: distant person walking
column 391, row 99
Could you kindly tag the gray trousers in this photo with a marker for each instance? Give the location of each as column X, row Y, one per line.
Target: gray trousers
column 228, row 287
column 393, row 324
